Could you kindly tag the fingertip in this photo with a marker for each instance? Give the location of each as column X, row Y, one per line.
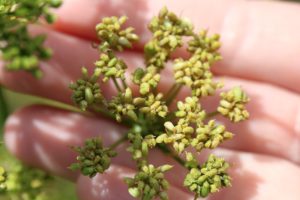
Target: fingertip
column 41, row 136
column 111, row 186
column 108, row 186
column 37, row 143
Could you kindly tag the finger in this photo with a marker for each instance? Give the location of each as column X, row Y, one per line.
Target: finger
column 287, row 131
column 274, row 121
column 42, row 136
column 274, row 118
column 259, row 177
column 70, row 55
column 271, row 124
column 111, row 186
column 45, row 144
column 251, row 179
column 260, row 37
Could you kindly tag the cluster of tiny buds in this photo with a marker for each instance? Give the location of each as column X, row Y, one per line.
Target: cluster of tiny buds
column 146, row 79
column 20, row 50
column 195, row 72
column 138, row 148
column 210, row 136
column 113, row 36
column 152, row 105
column 122, row 105
column 110, row 66
column 190, row 110
column 2, row 179
column 232, row 105
column 206, row 46
column 86, row 91
column 26, row 183
column 183, row 134
column 149, row 183
column 168, row 30
column 93, row 158
column 208, row 178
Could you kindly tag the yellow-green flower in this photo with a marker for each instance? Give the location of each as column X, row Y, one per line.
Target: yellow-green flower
column 111, row 67
column 19, row 49
column 149, row 183
column 93, row 157
column 2, row 179
column 86, row 91
column 210, row 178
column 232, row 105
column 113, row 36
column 122, row 106
column 210, row 136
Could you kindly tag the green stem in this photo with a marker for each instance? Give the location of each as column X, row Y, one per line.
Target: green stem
column 117, row 84
column 170, row 90
column 172, row 93
column 196, row 197
column 47, row 102
column 106, row 113
column 212, row 114
column 3, row 106
column 124, row 84
column 103, row 111
column 166, row 150
column 118, row 142
column 4, row 111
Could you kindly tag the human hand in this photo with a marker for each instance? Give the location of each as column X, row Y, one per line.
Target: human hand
column 260, row 48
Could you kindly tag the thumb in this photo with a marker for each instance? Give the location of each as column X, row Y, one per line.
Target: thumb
column 111, row 186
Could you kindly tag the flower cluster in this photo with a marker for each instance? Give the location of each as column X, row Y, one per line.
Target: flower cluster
column 195, row 72
column 20, row 50
column 208, row 178
column 152, row 105
column 146, row 112
column 146, row 79
column 210, row 136
column 93, row 157
column 122, row 105
column 26, row 183
column 149, row 183
column 87, row 90
column 113, row 36
column 111, row 66
column 233, row 103
column 167, row 30
column 189, row 113
column 2, row 179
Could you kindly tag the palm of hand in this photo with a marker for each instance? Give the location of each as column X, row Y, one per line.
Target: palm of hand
column 265, row 151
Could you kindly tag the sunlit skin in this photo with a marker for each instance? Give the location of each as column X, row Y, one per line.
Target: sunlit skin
column 260, row 48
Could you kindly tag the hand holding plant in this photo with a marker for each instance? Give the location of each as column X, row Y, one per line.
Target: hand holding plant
column 243, row 163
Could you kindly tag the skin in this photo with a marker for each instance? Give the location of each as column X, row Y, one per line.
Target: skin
column 261, row 46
